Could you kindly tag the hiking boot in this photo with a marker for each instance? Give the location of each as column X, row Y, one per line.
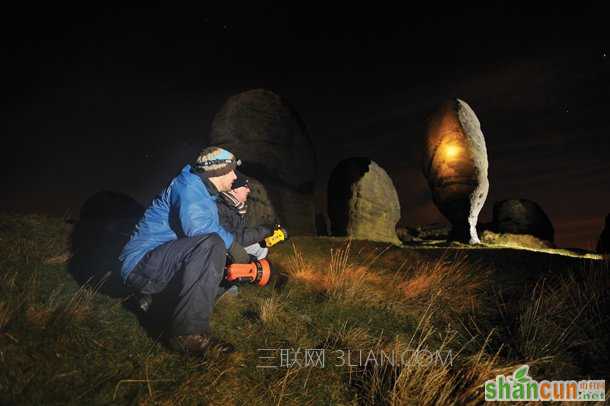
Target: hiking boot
column 199, row 343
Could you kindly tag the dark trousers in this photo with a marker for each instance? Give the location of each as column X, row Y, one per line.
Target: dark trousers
column 183, row 277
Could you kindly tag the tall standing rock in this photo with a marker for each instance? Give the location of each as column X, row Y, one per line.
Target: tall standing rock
column 522, row 216
column 603, row 245
column 268, row 135
column 362, row 201
column 455, row 165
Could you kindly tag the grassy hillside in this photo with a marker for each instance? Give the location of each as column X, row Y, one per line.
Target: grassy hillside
column 393, row 325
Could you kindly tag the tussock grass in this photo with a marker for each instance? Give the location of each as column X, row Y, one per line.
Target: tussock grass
column 407, row 371
column 348, row 279
column 270, row 309
column 6, row 314
column 351, row 337
column 340, row 278
column 457, row 281
column 64, row 343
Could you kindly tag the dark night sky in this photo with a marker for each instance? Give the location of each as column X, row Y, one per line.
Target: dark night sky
column 120, row 99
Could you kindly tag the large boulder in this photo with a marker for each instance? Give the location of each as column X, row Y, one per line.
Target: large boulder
column 603, row 245
column 455, row 165
column 522, row 216
column 267, row 134
column 362, row 201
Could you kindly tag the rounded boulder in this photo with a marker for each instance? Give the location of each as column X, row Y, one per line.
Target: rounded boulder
column 268, row 135
column 522, row 216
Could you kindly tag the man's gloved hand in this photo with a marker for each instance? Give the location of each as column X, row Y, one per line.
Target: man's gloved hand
column 238, row 254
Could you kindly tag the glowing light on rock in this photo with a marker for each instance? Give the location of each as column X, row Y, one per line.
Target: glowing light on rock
column 451, row 151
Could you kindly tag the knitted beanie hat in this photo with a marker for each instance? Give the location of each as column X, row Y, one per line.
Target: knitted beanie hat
column 215, row 161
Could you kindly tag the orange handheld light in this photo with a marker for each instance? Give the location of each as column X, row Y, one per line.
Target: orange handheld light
column 256, row 272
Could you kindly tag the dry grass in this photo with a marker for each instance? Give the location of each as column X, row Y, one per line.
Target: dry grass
column 8, row 281
column 59, row 259
column 340, row 278
column 6, row 314
column 458, row 281
column 422, row 372
column 353, row 280
column 8, row 308
column 297, row 266
column 59, row 309
column 402, row 377
column 547, row 325
column 346, row 336
column 558, row 316
column 270, row 310
column 349, row 282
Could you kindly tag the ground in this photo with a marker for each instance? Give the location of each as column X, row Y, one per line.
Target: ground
column 395, row 325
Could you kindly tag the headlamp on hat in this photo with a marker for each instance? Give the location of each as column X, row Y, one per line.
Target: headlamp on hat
column 215, row 161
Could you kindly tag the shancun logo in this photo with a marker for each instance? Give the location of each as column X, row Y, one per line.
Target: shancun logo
column 520, row 386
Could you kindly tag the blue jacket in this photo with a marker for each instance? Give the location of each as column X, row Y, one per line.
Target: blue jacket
column 183, row 209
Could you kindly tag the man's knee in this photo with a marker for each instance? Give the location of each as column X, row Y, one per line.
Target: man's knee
column 211, row 252
column 212, row 245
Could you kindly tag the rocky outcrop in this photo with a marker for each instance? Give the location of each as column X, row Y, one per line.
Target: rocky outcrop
column 435, row 231
column 428, row 232
column 603, row 244
column 522, row 216
column 268, row 135
column 514, row 240
column 362, row 201
column 405, row 235
column 455, row 165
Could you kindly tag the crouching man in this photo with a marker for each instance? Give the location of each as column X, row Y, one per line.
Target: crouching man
column 177, row 252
